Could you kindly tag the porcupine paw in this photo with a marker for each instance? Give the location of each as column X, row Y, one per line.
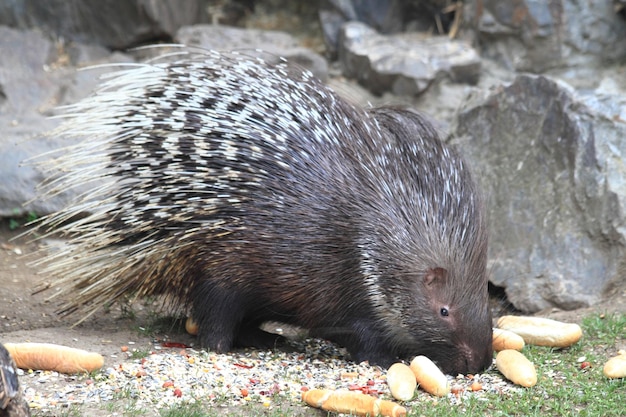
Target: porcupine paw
column 367, row 344
column 382, row 359
column 217, row 335
column 252, row 336
column 216, row 342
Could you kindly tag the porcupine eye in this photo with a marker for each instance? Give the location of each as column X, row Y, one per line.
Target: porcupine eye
column 444, row 312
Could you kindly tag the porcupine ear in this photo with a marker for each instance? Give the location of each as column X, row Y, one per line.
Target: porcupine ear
column 435, row 277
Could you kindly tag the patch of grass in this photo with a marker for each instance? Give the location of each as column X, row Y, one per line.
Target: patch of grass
column 126, row 310
column 110, row 406
column 128, row 408
column 564, row 387
column 71, row 411
column 197, row 409
column 132, row 409
column 19, row 219
column 126, row 404
column 605, row 329
column 194, row 409
column 155, row 323
column 139, row 353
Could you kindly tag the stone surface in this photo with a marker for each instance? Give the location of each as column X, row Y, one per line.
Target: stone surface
column 391, row 16
column 536, row 35
column 28, row 93
column 551, row 164
column 405, row 63
column 36, row 76
column 117, row 24
column 385, row 17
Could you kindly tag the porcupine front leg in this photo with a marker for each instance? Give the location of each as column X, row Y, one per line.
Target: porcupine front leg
column 362, row 339
column 374, row 353
column 222, row 322
column 218, row 313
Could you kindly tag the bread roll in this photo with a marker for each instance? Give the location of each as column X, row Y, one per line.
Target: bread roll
column 516, row 368
column 541, row 331
column 429, row 376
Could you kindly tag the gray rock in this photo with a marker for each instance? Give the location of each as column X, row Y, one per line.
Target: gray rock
column 551, row 165
column 35, row 78
column 280, row 44
column 117, row 24
column 27, row 93
column 384, row 16
column 390, row 16
column 406, row 63
column 535, row 35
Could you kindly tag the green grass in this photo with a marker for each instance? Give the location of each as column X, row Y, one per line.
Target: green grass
column 563, row 388
column 20, row 219
column 185, row 410
column 139, row 353
column 250, row 410
column 72, row 411
column 605, row 329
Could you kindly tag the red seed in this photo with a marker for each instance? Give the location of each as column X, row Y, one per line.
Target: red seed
column 244, row 392
column 243, row 365
column 178, row 392
column 585, row 365
column 168, row 384
column 174, row 345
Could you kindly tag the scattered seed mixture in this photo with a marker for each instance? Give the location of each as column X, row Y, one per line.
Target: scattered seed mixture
column 173, row 373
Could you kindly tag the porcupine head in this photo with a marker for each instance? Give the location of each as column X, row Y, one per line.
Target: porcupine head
column 424, row 256
column 250, row 193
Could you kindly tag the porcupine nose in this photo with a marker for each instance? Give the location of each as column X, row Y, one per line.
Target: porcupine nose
column 476, row 358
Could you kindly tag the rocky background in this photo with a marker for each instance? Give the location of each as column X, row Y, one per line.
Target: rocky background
column 531, row 91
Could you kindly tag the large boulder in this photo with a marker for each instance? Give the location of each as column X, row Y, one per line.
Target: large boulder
column 404, row 63
column 37, row 76
column 551, row 164
column 537, row 35
column 117, row 24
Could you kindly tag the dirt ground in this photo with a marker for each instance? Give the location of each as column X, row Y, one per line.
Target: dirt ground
column 29, row 317
column 25, row 316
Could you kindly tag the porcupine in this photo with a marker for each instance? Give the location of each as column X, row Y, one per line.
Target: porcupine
column 251, row 192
